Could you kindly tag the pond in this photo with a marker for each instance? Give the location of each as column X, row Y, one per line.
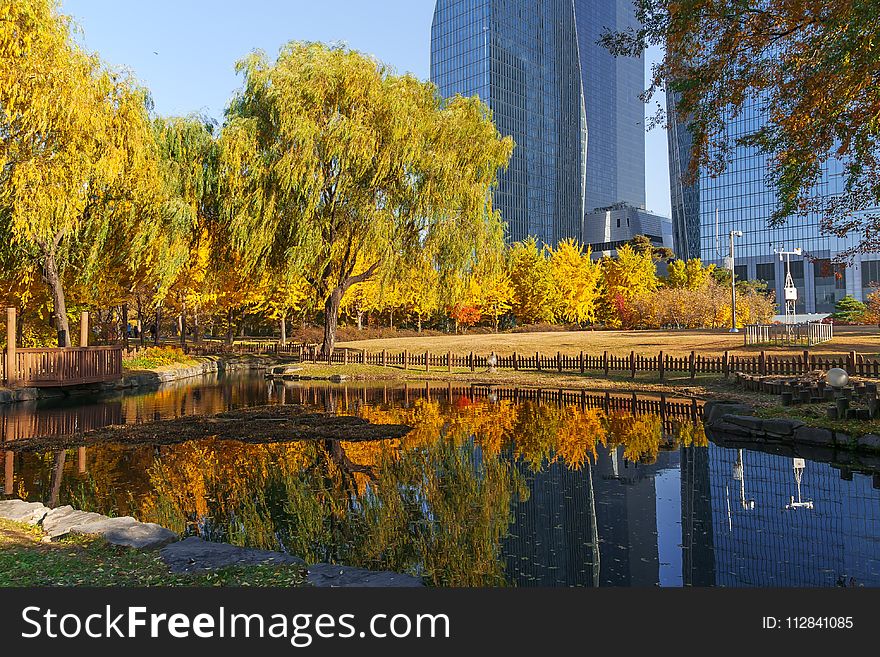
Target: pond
column 493, row 487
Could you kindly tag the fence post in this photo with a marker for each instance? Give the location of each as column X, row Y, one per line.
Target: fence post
column 661, row 366
column 851, row 363
column 806, row 361
column 383, row 358
column 84, row 329
column 762, row 363
column 558, row 361
column 581, row 362
column 427, row 362
column 693, row 364
column 11, row 363
column 515, row 361
column 605, row 362
column 473, row 366
column 726, row 364
column 449, row 360
column 405, row 359
column 345, row 356
column 632, row 363
column 538, row 361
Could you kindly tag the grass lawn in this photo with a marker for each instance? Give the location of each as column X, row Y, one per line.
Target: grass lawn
column 863, row 339
column 89, row 561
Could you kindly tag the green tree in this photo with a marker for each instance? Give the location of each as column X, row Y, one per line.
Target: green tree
column 849, row 309
column 328, row 155
column 812, row 64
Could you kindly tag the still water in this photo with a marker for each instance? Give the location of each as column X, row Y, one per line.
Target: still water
column 491, row 488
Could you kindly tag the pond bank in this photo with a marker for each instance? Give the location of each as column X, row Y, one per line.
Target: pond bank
column 146, row 378
column 193, row 556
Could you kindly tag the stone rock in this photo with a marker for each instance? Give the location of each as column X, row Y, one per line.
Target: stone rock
column 128, row 532
column 814, row 436
column 723, row 427
column 869, row 441
column 331, row 575
column 194, row 554
column 714, row 409
column 21, row 511
column 781, row 426
column 338, row 378
column 59, row 521
column 281, row 370
column 749, row 422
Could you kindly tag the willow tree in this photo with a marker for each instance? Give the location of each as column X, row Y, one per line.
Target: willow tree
column 75, row 149
column 327, row 156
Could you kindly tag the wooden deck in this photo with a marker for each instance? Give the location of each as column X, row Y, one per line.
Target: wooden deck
column 53, row 368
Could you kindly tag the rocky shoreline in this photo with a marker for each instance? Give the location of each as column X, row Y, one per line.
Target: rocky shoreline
column 191, row 554
column 735, row 419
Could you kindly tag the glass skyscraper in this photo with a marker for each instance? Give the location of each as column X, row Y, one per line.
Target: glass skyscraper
column 572, row 109
column 740, row 198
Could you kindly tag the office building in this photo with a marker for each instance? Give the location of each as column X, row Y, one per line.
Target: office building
column 573, row 109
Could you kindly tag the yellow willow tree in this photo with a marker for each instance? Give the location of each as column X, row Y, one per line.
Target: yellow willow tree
column 76, row 151
column 327, row 154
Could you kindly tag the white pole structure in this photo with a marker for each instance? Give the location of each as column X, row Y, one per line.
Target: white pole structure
column 733, row 328
column 790, row 293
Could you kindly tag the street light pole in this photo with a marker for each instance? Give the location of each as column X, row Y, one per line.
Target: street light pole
column 733, row 328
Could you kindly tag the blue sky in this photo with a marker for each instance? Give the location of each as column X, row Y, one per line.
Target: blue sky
column 185, row 51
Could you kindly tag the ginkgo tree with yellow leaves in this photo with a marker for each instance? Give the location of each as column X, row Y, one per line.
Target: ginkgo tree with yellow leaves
column 328, row 154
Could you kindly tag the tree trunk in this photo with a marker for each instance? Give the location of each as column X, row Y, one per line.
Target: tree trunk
column 331, row 313
column 391, row 319
column 229, row 330
column 197, row 335
column 52, row 278
column 284, row 329
column 158, row 326
column 360, row 316
column 420, row 325
column 125, row 325
column 496, row 323
column 181, row 326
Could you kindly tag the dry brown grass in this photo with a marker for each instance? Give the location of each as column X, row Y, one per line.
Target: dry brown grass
column 863, row 339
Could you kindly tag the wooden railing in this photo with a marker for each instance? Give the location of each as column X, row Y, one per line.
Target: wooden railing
column 62, row 367
column 784, row 335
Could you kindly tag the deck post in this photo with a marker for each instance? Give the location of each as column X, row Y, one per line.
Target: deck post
column 84, row 329
column 11, row 364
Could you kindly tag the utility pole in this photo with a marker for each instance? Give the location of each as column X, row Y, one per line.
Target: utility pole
column 733, row 329
column 730, row 258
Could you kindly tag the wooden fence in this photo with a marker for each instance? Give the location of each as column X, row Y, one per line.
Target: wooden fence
column 631, row 364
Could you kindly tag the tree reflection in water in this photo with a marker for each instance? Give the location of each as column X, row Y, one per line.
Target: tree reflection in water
column 437, row 503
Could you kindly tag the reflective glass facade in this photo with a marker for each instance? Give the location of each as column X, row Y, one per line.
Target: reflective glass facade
column 744, row 201
column 572, row 109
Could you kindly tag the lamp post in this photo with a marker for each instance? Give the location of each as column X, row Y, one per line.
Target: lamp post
column 733, row 329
